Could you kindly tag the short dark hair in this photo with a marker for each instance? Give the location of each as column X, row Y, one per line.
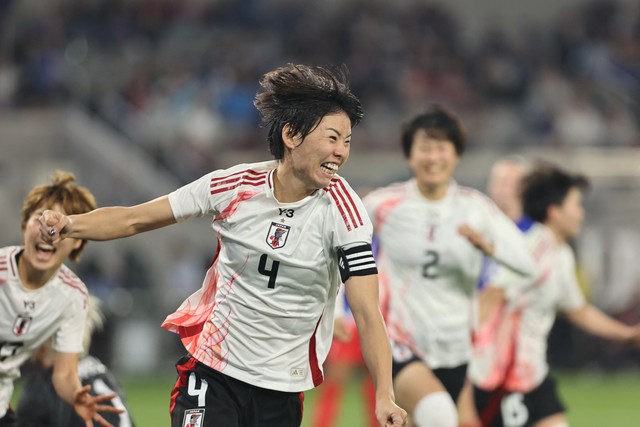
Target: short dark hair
column 548, row 185
column 440, row 123
column 300, row 96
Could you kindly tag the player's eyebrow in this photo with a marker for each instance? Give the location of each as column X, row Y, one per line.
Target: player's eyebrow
column 338, row 132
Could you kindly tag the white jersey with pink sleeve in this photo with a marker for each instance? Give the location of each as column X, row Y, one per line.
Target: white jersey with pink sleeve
column 264, row 314
column 28, row 318
column 511, row 350
column 430, row 271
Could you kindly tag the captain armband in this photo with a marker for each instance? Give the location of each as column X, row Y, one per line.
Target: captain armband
column 356, row 259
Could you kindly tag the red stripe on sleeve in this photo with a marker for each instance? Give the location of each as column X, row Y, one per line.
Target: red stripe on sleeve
column 243, row 182
column 339, row 205
column 351, row 202
column 246, row 177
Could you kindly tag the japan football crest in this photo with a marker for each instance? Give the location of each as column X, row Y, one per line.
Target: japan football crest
column 193, row 418
column 277, row 236
column 21, row 325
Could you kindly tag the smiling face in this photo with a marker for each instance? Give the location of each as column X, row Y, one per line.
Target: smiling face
column 310, row 164
column 432, row 162
column 40, row 260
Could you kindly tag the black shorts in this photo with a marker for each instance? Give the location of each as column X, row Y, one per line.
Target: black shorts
column 522, row 409
column 9, row 419
column 451, row 378
column 204, row 397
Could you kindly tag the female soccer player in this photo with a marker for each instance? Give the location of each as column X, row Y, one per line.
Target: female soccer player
column 39, row 405
column 509, row 369
column 288, row 231
column 41, row 299
column 432, row 236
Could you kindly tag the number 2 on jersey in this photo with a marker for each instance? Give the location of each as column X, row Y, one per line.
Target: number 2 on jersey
column 430, row 268
column 271, row 273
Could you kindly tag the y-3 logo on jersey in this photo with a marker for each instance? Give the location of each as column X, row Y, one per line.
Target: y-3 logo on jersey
column 277, row 235
column 21, row 325
column 286, row 212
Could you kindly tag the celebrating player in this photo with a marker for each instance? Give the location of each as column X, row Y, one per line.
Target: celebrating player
column 42, row 299
column 39, row 405
column 432, row 236
column 287, row 231
column 509, row 370
column 504, row 188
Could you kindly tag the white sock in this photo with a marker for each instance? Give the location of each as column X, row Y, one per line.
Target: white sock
column 436, row 410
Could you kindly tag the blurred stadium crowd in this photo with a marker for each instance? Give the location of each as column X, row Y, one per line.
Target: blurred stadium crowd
column 178, row 78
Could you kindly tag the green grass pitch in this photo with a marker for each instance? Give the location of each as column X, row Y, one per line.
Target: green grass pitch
column 593, row 400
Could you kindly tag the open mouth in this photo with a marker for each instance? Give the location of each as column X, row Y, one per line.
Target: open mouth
column 330, row 168
column 44, row 248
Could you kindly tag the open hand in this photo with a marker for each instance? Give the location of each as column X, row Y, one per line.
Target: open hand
column 88, row 407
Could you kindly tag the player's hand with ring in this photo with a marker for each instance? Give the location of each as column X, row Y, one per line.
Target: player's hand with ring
column 54, row 226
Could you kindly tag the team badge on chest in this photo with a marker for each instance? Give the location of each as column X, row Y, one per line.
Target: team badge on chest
column 277, row 236
column 21, row 325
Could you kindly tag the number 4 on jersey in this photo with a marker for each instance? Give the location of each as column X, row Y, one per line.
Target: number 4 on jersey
column 271, row 273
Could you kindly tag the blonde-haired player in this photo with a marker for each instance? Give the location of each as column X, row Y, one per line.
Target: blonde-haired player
column 41, row 299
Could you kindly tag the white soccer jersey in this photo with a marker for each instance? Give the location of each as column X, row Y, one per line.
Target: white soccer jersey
column 511, row 349
column 431, row 271
column 264, row 314
column 28, row 318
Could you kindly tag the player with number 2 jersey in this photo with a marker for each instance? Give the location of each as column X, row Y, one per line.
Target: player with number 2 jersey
column 432, row 235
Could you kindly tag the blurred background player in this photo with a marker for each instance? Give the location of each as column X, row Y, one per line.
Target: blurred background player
column 504, row 185
column 259, row 329
column 504, row 188
column 432, row 235
column 40, row 406
column 343, row 363
column 42, row 299
column 509, row 370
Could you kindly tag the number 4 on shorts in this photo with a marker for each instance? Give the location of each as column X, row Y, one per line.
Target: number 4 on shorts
column 200, row 392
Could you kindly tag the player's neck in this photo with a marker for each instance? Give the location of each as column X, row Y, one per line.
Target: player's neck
column 286, row 187
column 560, row 237
column 32, row 278
column 433, row 192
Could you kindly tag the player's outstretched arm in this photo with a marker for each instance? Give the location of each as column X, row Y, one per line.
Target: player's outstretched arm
column 362, row 296
column 107, row 223
column 594, row 321
column 69, row 388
